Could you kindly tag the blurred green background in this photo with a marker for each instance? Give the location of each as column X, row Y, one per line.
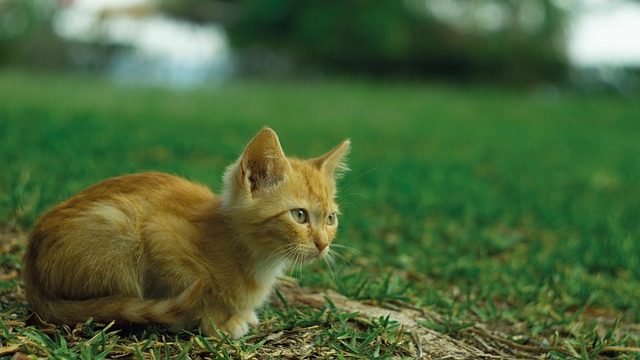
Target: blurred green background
column 527, row 44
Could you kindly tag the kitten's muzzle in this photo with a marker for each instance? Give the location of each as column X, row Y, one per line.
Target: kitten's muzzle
column 321, row 241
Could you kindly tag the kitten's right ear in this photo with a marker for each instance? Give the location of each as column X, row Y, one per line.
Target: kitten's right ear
column 333, row 163
column 263, row 162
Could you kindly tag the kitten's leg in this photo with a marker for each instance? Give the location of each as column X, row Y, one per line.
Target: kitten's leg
column 250, row 317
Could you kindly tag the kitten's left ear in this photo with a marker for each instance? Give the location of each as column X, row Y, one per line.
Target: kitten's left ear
column 333, row 164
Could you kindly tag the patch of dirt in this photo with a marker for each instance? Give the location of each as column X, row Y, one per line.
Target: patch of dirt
column 424, row 342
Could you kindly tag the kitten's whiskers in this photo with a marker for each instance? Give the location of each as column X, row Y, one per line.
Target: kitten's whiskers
column 281, row 253
column 331, row 262
column 345, row 186
column 237, row 238
column 348, row 248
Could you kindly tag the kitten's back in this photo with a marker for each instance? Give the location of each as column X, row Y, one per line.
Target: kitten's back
column 89, row 250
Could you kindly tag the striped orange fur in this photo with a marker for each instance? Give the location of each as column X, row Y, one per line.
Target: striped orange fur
column 156, row 248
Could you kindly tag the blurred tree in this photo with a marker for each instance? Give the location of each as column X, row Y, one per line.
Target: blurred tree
column 512, row 41
column 26, row 37
column 15, row 20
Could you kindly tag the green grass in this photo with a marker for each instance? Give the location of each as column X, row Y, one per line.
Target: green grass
column 518, row 210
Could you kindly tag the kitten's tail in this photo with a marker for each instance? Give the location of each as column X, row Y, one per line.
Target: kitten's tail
column 119, row 308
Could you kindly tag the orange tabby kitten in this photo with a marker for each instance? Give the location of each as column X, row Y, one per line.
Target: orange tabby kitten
column 155, row 248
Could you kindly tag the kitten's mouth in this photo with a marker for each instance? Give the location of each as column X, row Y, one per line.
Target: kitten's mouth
column 321, row 254
column 308, row 258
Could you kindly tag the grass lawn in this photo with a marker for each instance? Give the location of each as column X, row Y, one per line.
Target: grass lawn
column 514, row 214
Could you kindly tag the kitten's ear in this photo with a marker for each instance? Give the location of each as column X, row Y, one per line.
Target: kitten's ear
column 333, row 163
column 263, row 163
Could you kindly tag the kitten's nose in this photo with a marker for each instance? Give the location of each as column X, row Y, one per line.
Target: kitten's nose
column 321, row 244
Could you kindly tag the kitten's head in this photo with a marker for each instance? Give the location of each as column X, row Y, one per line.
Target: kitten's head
column 284, row 208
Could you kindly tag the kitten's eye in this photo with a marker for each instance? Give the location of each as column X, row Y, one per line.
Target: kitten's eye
column 300, row 215
column 331, row 219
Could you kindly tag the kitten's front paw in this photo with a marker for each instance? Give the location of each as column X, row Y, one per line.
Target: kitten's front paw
column 236, row 326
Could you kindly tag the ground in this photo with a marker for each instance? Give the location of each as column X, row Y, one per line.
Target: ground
column 299, row 323
column 487, row 222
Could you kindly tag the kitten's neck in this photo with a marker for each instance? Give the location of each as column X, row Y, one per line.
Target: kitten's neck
column 262, row 268
column 266, row 271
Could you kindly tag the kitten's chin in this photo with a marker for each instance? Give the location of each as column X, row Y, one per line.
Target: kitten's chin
column 320, row 255
column 323, row 253
column 309, row 258
column 306, row 257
